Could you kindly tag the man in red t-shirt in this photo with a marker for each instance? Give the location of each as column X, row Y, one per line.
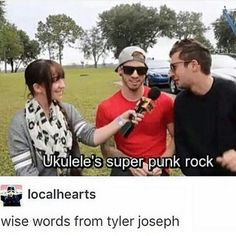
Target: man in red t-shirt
column 148, row 139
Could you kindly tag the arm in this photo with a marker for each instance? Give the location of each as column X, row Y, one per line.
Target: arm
column 88, row 134
column 109, row 149
column 19, row 149
column 105, row 132
column 228, row 158
column 170, row 149
column 169, row 119
column 181, row 149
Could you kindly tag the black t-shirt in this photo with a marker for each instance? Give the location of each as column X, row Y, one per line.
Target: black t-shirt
column 205, row 127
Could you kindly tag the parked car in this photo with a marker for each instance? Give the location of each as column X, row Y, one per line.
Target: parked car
column 230, row 54
column 173, row 87
column 223, row 66
column 158, row 72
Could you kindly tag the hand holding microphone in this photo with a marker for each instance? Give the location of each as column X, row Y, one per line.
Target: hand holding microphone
column 145, row 104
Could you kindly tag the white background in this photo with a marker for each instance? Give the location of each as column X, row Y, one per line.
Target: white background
column 26, row 14
column 204, row 206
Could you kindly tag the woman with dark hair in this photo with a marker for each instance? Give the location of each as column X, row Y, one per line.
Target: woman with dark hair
column 47, row 128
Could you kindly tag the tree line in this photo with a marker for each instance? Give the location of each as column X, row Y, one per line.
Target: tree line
column 121, row 26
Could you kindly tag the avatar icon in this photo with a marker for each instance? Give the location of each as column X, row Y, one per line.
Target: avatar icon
column 11, row 197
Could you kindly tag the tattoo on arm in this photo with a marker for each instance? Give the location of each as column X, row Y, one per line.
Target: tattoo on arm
column 109, row 149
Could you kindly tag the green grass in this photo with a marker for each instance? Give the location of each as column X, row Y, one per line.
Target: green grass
column 85, row 89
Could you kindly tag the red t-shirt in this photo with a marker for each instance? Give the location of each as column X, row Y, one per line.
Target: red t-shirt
column 148, row 139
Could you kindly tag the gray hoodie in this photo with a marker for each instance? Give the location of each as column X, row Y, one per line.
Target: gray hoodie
column 25, row 160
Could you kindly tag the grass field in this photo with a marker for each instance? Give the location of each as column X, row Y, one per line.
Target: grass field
column 85, row 88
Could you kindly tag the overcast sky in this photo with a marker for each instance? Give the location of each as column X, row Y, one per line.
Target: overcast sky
column 26, row 14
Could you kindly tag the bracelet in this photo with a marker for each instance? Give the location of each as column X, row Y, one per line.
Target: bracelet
column 121, row 121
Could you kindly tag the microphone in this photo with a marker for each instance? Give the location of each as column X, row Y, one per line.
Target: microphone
column 145, row 104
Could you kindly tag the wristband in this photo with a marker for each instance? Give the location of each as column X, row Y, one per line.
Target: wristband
column 121, row 121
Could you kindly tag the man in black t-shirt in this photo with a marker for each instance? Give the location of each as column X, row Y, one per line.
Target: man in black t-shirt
column 204, row 113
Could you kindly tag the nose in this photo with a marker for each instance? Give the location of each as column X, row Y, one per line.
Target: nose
column 135, row 74
column 171, row 74
column 61, row 83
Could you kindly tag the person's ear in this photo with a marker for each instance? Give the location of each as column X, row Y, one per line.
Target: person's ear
column 119, row 71
column 37, row 88
column 195, row 65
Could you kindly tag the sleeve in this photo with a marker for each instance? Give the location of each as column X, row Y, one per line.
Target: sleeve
column 83, row 131
column 180, row 144
column 19, row 149
column 169, row 110
column 102, row 118
column 226, row 118
column 2, row 198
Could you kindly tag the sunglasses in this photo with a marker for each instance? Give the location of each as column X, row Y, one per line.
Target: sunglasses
column 129, row 70
column 173, row 66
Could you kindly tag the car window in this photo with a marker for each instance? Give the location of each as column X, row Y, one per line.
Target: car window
column 223, row 61
column 157, row 64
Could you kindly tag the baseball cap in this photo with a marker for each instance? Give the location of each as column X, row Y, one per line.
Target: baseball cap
column 129, row 54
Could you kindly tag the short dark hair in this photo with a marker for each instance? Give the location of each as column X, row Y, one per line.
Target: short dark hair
column 191, row 49
column 39, row 71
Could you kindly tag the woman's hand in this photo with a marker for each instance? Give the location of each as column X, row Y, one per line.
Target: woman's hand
column 130, row 115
